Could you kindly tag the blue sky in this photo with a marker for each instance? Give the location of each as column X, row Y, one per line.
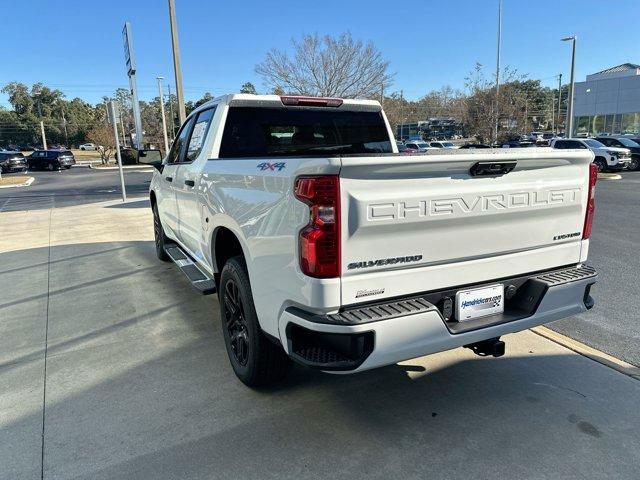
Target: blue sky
column 428, row 43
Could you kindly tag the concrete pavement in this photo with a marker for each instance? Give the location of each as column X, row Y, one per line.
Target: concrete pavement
column 113, row 356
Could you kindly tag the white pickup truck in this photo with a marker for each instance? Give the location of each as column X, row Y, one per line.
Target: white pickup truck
column 329, row 248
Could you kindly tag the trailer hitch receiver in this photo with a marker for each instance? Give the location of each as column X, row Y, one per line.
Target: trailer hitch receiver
column 492, row 346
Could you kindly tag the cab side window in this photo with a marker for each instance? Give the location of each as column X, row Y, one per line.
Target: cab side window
column 179, row 143
column 199, row 134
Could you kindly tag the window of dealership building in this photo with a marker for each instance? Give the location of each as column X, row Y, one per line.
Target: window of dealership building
column 608, row 102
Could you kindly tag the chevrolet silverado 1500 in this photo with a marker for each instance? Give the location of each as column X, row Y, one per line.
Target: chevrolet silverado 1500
column 328, row 248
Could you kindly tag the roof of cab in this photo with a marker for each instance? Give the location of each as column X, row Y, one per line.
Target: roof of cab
column 275, row 101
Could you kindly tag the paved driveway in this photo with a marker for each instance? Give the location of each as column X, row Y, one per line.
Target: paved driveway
column 111, row 366
column 613, row 325
column 77, row 186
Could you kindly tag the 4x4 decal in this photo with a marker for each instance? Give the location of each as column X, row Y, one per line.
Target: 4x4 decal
column 271, row 166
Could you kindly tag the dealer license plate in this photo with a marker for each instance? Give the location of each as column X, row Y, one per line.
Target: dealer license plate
column 479, row 302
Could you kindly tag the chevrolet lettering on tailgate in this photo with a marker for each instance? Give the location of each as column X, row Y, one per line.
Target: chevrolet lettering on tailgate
column 471, row 205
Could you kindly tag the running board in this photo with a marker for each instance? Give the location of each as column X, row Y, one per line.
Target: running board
column 200, row 280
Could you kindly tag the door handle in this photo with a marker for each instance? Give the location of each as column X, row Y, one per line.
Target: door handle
column 169, row 179
column 492, row 168
column 190, row 183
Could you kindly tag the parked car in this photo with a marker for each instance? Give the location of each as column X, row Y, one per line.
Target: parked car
column 474, row 146
column 536, row 137
column 402, row 148
column 375, row 263
column 419, row 146
column 16, row 148
column 88, row 146
column 51, row 160
column 624, row 142
column 606, row 158
column 518, row 144
column 546, row 139
column 12, row 162
column 442, row 144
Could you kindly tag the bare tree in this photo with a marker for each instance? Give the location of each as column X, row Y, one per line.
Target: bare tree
column 327, row 67
column 102, row 136
column 480, row 111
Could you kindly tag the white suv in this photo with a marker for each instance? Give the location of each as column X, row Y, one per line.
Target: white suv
column 605, row 158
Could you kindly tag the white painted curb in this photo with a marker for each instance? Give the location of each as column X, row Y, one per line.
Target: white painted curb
column 609, row 176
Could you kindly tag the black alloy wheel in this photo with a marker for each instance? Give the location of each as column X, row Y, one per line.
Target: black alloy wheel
column 235, row 323
column 159, row 237
column 601, row 164
column 256, row 359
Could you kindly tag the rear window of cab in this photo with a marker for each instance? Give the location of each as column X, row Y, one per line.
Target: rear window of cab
column 280, row 132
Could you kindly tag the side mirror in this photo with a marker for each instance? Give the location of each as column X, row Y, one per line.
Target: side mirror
column 150, row 157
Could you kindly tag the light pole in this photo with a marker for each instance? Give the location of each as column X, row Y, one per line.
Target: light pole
column 557, row 131
column 401, row 114
column 44, row 137
column 164, row 122
column 569, row 123
column 130, row 62
column 176, row 62
column 171, row 114
column 498, row 67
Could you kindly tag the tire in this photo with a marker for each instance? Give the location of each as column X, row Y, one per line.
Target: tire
column 256, row 360
column 634, row 164
column 601, row 164
column 50, row 167
column 160, row 238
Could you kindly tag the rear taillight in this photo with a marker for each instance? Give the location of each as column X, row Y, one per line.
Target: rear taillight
column 310, row 101
column 591, row 201
column 320, row 240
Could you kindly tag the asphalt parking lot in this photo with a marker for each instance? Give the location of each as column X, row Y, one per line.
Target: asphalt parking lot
column 613, row 325
column 113, row 367
column 73, row 187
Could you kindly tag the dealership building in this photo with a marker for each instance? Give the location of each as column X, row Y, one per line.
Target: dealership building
column 608, row 102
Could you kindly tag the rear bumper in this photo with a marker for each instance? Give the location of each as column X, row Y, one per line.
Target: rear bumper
column 14, row 168
column 374, row 335
column 619, row 166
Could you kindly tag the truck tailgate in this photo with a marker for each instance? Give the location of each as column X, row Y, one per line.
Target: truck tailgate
column 417, row 223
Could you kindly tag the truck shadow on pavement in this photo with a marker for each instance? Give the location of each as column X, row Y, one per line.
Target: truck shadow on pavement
column 138, row 385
